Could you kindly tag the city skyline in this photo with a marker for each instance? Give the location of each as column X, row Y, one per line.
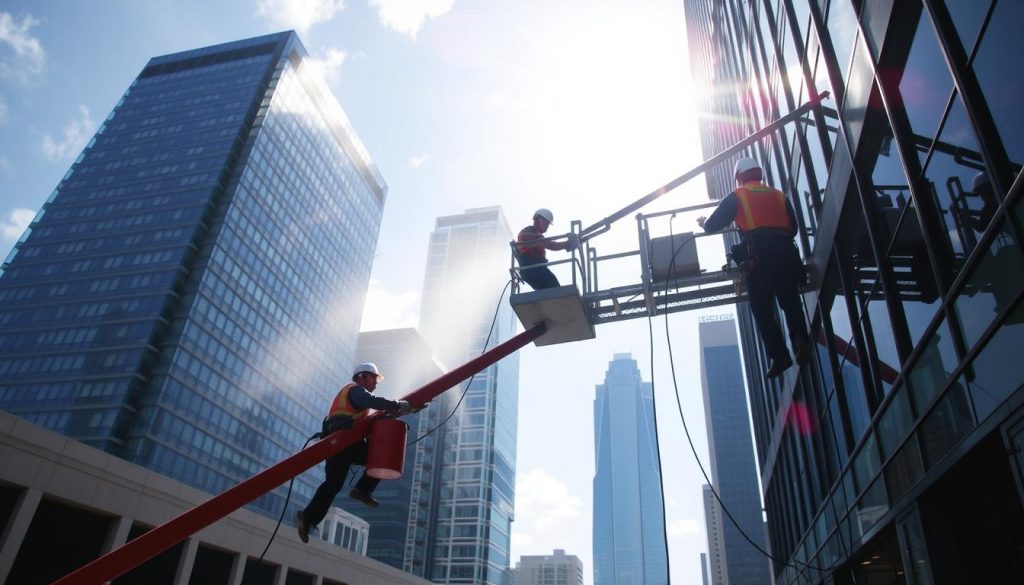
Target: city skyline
column 525, row 135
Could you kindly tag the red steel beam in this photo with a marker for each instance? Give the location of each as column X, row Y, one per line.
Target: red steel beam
column 137, row 551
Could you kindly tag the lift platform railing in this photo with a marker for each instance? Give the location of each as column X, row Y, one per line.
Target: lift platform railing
column 163, row 537
column 577, row 260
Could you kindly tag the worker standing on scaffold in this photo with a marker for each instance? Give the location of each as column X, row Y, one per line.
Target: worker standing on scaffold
column 351, row 404
column 531, row 249
column 767, row 225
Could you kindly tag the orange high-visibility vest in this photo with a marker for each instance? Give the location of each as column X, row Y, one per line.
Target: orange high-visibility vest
column 342, row 407
column 760, row 206
column 525, row 243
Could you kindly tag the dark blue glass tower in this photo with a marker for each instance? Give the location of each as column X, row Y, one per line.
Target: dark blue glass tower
column 732, row 452
column 629, row 522
column 190, row 295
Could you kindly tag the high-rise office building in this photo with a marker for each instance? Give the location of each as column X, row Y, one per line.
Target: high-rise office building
column 629, row 518
column 467, row 265
column 704, row 577
column 556, row 568
column 713, row 564
column 731, row 450
column 189, row 297
column 896, row 452
column 399, row 526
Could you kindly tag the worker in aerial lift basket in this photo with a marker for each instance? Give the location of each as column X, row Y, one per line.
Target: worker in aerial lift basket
column 767, row 225
column 350, row 404
column 531, row 249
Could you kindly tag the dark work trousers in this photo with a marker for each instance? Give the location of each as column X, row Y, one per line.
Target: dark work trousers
column 538, row 278
column 337, row 471
column 776, row 276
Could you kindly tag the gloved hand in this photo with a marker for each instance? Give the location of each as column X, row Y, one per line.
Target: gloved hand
column 404, row 407
column 574, row 241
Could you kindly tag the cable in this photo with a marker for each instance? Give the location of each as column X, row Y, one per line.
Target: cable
column 689, row 439
column 494, row 320
column 284, row 509
column 657, row 449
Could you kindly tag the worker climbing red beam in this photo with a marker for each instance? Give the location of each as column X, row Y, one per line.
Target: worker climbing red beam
column 137, row 551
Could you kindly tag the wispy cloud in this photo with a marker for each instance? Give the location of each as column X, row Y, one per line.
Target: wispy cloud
column 543, row 503
column 15, row 223
column 408, row 16
column 329, row 64
column 684, row 527
column 28, row 58
column 387, row 309
column 76, row 134
column 417, row 161
column 300, row 15
column 3, row 111
column 5, row 165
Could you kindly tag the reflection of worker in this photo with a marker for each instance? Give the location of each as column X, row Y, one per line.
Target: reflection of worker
column 767, row 225
column 349, row 405
column 531, row 248
column 982, row 188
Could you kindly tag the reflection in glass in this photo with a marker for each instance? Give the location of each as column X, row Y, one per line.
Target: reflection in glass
column 1000, row 46
column 923, row 82
column 994, row 284
column 842, row 28
column 945, row 425
column 998, row 370
column 928, row 376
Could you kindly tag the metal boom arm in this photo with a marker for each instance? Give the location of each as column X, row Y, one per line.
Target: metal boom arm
column 163, row 537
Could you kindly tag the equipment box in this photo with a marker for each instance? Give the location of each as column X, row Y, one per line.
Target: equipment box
column 674, row 257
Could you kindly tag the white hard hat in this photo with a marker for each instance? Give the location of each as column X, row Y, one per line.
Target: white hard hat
column 745, row 164
column 980, row 180
column 369, row 368
column 545, row 213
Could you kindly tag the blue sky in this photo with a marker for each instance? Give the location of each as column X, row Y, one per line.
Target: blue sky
column 581, row 106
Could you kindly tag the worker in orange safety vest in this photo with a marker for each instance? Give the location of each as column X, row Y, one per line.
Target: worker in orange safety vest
column 767, row 225
column 351, row 403
column 532, row 247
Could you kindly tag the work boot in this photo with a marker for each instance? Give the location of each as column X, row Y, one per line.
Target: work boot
column 803, row 351
column 301, row 526
column 778, row 366
column 363, row 497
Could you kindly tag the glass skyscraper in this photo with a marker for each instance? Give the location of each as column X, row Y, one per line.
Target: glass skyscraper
column 731, row 450
column 629, row 520
column 895, row 454
column 189, row 296
column 468, row 538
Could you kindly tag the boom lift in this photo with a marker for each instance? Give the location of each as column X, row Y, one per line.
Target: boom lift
column 671, row 281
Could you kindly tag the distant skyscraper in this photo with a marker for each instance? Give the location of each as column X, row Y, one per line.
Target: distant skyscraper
column 714, row 569
column 704, row 569
column 557, row 568
column 407, row 362
column 189, row 296
column 467, row 264
column 733, row 471
column 629, row 521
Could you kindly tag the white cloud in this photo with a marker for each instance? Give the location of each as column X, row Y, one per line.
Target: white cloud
column 684, row 527
column 4, row 110
column 329, row 64
column 543, row 503
column 417, row 161
column 29, row 57
column 386, row 309
column 76, row 134
column 15, row 224
column 407, row 16
column 5, row 165
column 300, row 15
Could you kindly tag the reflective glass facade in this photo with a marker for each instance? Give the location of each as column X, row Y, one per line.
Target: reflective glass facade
column 190, row 295
column 895, row 453
column 629, row 520
column 468, row 540
column 731, row 450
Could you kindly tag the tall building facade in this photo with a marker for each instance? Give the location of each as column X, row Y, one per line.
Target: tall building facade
column 896, row 452
column 399, row 527
column 713, row 564
column 629, row 519
column 556, row 568
column 731, row 449
column 469, row 527
column 189, row 297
